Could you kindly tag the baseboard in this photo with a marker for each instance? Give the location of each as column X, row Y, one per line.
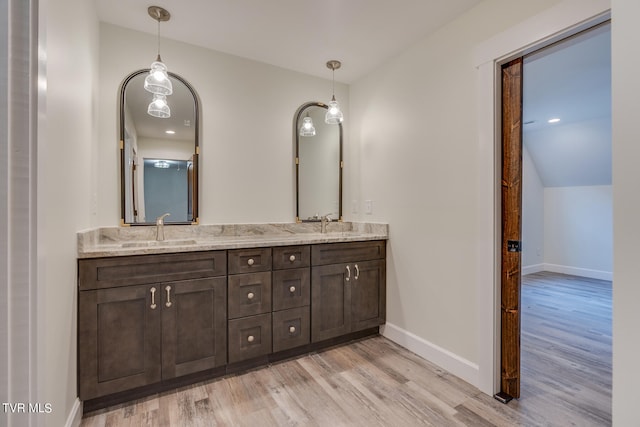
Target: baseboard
column 530, row 269
column 445, row 359
column 75, row 416
column 582, row 272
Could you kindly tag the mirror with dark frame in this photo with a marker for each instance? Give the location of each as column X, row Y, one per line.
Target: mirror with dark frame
column 318, row 165
column 158, row 156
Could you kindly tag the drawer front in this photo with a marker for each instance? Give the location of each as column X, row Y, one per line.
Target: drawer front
column 101, row 273
column 291, row 328
column 291, row 288
column 249, row 294
column 336, row 253
column 291, row 257
column 249, row 260
column 249, row 337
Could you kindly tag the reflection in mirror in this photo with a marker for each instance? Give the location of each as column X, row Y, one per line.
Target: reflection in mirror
column 318, row 165
column 159, row 156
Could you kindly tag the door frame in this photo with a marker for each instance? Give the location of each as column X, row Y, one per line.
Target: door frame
column 561, row 21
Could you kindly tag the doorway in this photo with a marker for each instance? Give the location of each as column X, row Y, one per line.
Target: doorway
column 584, row 166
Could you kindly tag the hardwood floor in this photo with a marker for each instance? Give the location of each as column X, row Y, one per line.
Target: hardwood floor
column 566, row 346
column 566, row 359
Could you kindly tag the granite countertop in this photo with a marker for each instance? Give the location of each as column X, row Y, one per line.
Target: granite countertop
column 124, row 241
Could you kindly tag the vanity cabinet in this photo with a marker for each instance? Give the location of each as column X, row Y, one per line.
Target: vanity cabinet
column 137, row 326
column 147, row 323
column 348, row 283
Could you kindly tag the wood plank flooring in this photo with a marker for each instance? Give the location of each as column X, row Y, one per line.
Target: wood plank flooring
column 566, row 359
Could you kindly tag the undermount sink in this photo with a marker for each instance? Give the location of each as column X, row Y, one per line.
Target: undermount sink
column 149, row 243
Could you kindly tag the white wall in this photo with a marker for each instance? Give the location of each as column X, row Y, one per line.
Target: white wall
column 66, row 156
column 414, row 134
column 625, row 35
column 578, row 230
column 246, row 163
column 532, row 216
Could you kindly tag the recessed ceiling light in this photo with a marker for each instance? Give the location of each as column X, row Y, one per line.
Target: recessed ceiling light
column 170, row 132
column 554, row 120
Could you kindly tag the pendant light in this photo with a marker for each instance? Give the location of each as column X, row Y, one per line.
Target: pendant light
column 334, row 115
column 157, row 82
column 159, row 107
column 307, row 128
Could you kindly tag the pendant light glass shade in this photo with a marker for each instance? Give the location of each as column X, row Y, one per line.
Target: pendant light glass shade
column 307, row 128
column 157, row 82
column 159, row 107
column 334, row 115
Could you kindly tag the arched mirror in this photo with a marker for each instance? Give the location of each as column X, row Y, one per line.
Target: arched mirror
column 318, row 164
column 158, row 156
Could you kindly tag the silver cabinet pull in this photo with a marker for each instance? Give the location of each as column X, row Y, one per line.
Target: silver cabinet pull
column 348, row 273
column 292, row 258
column 153, row 299
column 250, row 338
column 250, row 261
column 168, row 289
column 357, row 272
column 250, row 295
column 292, row 329
column 292, row 289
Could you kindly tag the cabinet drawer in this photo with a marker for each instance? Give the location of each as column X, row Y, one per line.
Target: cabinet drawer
column 290, row 328
column 249, row 260
column 291, row 288
column 249, row 294
column 291, row 257
column 101, row 273
column 335, row 253
column 249, row 337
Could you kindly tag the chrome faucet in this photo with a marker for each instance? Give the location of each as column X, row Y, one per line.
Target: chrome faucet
column 160, row 226
column 323, row 222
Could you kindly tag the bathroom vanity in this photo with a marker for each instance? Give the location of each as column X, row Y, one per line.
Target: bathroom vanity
column 222, row 299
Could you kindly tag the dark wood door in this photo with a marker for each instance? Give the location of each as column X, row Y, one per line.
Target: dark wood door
column 194, row 326
column 330, row 301
column 368, row 289
column 511, row 226
column 118, row 339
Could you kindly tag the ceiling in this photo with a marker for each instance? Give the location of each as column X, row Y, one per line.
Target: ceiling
column 300, row 35
column 570, row 81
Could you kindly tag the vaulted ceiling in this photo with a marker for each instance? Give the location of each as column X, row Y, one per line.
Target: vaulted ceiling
column 300, row 35
column 570, row 81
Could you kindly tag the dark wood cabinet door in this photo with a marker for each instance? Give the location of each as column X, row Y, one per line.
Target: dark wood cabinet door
column 194, row 326
column 330, row 301
column 291, row 288
column 368, row 290
column 249, row 337
column 249, row 294
column 118, row 339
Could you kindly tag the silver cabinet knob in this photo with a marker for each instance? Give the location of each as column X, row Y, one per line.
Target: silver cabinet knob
column 251, row 338
column 250, row 261
column 292, row 289
column 292, row 329
column 292, row 258
column 250, row 295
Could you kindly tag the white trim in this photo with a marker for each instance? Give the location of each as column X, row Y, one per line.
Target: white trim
column 549, row 26
column 559, row 21
column 75, row 416
column 445, row 359
column 577, row 271
column 530, row 269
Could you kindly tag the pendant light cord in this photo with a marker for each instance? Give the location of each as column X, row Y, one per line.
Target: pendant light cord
column 159, row 60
